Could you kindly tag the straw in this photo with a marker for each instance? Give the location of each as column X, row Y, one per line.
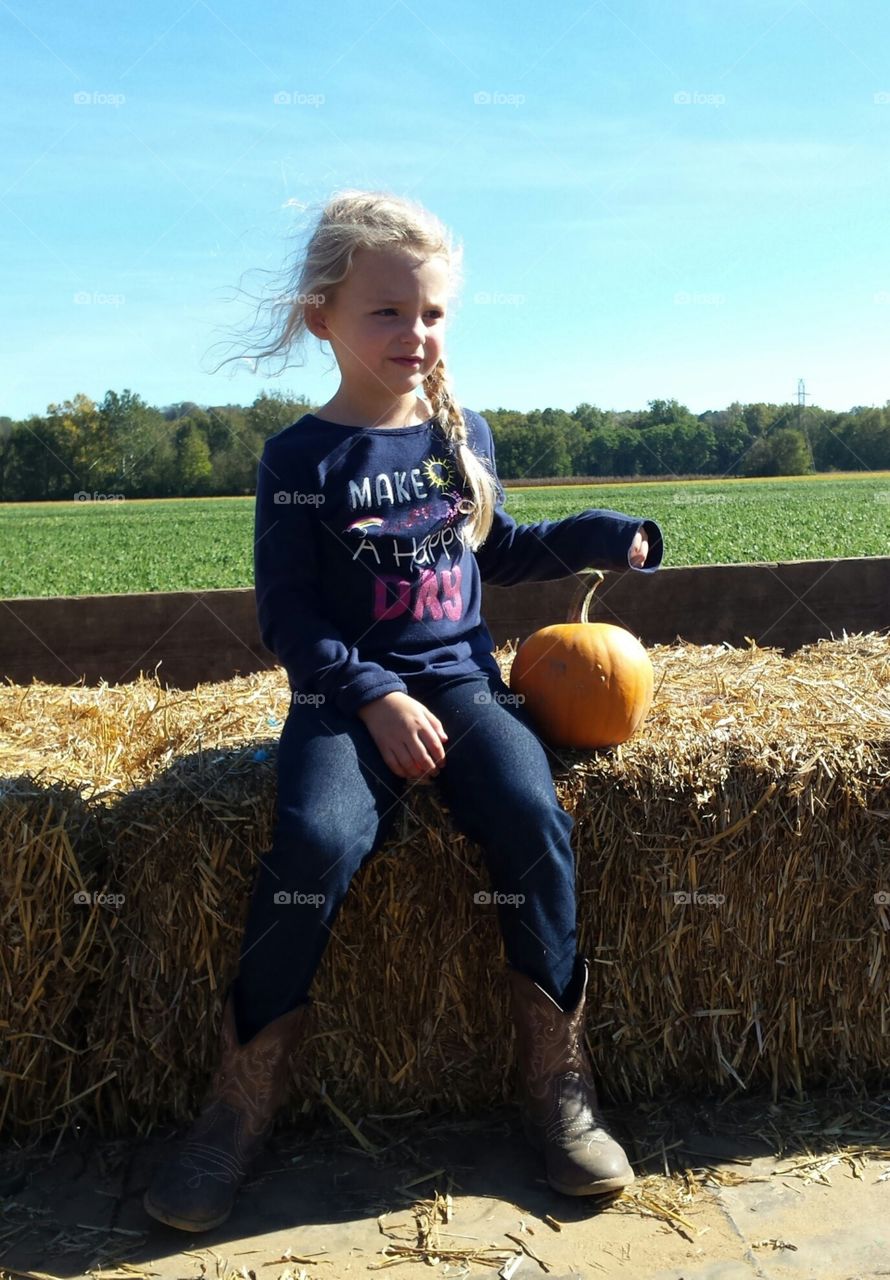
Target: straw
column 758, row 779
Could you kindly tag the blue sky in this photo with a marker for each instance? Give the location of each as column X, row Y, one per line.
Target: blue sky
column 659, row 198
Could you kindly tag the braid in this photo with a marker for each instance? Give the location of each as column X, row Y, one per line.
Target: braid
column 475, row 470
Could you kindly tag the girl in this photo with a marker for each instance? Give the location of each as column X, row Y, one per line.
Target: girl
column 377, row 519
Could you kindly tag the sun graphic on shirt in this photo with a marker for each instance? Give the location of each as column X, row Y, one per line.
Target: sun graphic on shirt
column 439, row 472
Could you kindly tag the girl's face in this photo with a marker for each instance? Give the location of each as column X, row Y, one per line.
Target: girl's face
column 391, row 305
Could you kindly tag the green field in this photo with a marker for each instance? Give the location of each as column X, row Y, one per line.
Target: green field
column 96, row 548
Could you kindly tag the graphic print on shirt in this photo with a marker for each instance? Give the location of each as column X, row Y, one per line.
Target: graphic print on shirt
column 412, row 537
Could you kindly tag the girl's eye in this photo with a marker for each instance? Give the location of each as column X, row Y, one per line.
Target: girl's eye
column 383, row 310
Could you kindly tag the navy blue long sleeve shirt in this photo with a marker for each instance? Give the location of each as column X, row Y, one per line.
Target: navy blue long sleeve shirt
column 363, row 582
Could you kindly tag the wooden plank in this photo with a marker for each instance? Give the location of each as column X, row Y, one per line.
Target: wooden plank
column 196, row 636
column 782, row 605
column 207, row 636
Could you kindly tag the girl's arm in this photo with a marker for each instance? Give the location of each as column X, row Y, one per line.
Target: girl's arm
column 594, row 539
column 286, row 576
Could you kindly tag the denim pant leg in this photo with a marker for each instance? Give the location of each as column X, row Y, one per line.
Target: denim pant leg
column 498, row 785
column 336, row 804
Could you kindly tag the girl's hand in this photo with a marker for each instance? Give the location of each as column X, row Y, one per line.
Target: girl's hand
column 408, row 736
column 639, row 549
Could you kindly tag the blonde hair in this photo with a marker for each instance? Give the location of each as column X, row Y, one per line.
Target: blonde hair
column 353, row 220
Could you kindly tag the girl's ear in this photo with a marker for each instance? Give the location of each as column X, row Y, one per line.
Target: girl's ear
column 315, row 322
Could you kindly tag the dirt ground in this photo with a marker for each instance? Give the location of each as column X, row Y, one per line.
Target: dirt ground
column 728, row 1191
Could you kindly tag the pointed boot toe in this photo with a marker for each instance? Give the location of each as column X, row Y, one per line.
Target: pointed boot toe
column 195, row 1188
column 558, row 1102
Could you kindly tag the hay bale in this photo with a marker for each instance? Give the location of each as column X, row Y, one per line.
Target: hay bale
column 181, row 855
column 759, row 780
column 55, row 951
column 772, row 797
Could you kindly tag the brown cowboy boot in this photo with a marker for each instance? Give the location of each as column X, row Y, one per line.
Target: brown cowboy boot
column 196, row 1187
column 557, row 1095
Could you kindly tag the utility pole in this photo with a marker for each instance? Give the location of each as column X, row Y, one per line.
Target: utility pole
column 801, row 405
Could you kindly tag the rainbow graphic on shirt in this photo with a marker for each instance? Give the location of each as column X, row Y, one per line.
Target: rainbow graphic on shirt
column 362, row 526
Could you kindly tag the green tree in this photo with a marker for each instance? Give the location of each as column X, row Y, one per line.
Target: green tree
column 666, row 412
column 783, row 452
column 32, row 467
column 791, row 452
column 732, row 441
column 272, row 410
column 76, row 435
column 194, row 467
column 598, row 458
column 867, row 435
column 140, row 443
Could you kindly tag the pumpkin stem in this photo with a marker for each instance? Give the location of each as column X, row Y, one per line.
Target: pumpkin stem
column 598, row 578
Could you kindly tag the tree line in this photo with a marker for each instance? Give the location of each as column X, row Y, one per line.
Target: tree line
column 123, row 446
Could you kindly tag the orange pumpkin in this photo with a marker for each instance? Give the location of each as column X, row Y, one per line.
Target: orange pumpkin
column 585, row 684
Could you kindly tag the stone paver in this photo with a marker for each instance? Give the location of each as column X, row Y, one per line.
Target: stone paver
column 320, row 1194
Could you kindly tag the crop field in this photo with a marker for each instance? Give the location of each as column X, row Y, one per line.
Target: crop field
column 98, row 548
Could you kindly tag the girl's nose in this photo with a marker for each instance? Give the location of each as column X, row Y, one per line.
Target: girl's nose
column 416, row 333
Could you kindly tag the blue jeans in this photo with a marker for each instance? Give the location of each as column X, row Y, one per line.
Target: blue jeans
column 336, row 805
